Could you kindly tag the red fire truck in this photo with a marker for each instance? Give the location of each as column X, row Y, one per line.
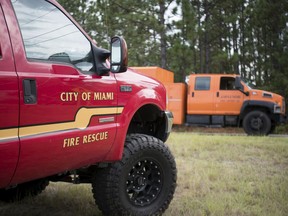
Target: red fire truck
column 68, row 114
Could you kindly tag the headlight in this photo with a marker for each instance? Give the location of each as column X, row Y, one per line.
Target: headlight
column 277, row 108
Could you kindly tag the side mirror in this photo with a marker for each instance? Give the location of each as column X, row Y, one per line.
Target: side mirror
column 238, row 84
column 100, row 56
column 119, row 55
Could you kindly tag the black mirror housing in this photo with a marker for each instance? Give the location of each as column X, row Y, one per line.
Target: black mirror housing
column 100, row 56
column 238, row 84
column 119, row 55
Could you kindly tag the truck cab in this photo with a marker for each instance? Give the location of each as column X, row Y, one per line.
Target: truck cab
column 72, row 111
column 226, row 100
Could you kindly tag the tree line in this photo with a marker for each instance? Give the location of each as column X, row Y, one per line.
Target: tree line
column 247, row 37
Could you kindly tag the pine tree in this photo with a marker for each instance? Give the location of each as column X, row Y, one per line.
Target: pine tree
column 205, row 36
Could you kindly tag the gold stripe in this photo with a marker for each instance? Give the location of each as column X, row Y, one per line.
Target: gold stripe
column 82, row 120
column 9, row 134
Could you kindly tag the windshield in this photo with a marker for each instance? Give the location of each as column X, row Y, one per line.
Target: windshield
column 248, row 83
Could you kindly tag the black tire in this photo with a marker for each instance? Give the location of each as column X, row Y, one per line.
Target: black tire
column 257, row 123
column 142, row 183
column 21, row 191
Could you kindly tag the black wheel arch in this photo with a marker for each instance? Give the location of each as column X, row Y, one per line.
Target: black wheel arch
column 251, row 105
column 150, row 120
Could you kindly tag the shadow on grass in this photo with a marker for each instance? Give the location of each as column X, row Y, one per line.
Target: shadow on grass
column 59, row 199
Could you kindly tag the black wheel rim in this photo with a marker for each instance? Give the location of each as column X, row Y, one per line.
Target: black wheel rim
column 144, row 182
column 256, row 123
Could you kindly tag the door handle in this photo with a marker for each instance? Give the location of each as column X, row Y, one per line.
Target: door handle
column 217, row 94
column 30, row 93
column 192, row 94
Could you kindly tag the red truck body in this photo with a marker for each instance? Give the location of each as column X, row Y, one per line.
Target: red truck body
column 55, row 117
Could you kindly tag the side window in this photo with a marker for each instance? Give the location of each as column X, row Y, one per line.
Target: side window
column 202, row 83
column 227, row 83
column 49, row 35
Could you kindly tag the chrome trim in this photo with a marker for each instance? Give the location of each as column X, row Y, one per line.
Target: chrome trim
column 170, row 118
column 106, row 119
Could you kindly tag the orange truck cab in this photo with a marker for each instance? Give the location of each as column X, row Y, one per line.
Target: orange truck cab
column 226, row 100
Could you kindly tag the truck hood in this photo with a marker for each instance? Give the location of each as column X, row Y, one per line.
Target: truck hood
column 261, row 95
column 142, row 85
column 265, row 95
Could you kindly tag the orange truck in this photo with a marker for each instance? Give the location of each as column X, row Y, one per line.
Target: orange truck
column 220, row 100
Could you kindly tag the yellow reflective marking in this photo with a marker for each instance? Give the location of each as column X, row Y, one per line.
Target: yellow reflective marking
column 8, row 134
column 82, row 120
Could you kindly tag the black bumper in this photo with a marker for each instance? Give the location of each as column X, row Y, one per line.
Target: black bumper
column 281, row 119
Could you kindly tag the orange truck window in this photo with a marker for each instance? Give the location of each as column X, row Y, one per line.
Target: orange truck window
column 202, row 83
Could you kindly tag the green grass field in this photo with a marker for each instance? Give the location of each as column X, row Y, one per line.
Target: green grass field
column 230, row 175
column 217, row 175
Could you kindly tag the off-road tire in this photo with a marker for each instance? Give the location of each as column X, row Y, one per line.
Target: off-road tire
column 21, row 191
column 257, row 123
column 142, row 183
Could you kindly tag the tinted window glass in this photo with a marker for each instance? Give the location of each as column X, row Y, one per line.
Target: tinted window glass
column 202, row 83
column 49, row 35
column 227, row 83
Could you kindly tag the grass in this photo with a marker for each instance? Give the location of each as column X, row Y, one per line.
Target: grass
column 230, row 175
column 217, row 175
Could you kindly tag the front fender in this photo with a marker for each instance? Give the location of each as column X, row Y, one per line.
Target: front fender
column 132, row 103
column 254, row 104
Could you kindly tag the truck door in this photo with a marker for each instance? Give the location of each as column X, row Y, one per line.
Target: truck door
column 228, row 100
column 200, row 97
column 9, row 107
column 67, row 112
